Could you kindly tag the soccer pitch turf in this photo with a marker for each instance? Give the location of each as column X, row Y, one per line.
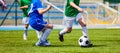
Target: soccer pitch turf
column 104, row 41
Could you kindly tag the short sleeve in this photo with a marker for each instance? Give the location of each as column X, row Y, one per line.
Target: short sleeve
column 39, row 5
column 28, row 2
column 71, row 0
column 35, row 5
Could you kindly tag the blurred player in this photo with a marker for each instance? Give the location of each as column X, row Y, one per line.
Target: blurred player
column 4, row 6
column 73, row 13
column 24, row 4
column 36, row 21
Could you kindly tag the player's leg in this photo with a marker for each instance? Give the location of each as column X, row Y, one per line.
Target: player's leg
column 25, row 32
column 38, row 34
column 46, row 32
column 26, row 23
column 43, row 39
column 82, row 22
column 68, row 22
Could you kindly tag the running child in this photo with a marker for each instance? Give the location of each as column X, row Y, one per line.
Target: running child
column 36, row 21
column 73, row 13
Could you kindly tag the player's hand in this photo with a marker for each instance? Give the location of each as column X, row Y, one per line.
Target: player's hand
column 80, row 10
column 49, row 6
column 21, row 8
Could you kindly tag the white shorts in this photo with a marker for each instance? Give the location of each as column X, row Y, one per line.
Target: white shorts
column 68, row 21
column 25, row 20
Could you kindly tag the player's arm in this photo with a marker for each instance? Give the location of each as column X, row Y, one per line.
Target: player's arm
column 22, row 7
column 21, row 4
column 75, row 6
column 42, row 11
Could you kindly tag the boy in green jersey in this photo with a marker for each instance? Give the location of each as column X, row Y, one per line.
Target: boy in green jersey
column 24, row 4
column 73, row 13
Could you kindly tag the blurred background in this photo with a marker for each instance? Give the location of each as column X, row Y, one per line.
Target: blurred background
column 101, row 13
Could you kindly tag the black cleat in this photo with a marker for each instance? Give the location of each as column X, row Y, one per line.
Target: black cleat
column 61, row 38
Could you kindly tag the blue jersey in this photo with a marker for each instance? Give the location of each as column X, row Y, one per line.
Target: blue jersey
column 35, row 5
column 36, row 19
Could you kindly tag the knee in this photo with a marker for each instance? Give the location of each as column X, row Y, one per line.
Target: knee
column 51, row 26
column 69, row 30
column 84, row 25
column 26, row 26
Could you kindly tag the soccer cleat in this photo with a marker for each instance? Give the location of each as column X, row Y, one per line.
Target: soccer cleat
column 45, row 43
column 61, row 38
column 24, row 37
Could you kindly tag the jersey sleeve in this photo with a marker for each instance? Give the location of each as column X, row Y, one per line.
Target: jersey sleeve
column 39, row 5
column 71, row 0
column 35, row 5
column 28, row 2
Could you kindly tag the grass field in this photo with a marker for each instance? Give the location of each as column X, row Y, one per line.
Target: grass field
column 104, row 41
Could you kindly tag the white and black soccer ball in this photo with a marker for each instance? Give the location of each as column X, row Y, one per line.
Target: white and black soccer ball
column 84, row 41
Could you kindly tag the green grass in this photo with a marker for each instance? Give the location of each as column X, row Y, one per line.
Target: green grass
column 104, row 41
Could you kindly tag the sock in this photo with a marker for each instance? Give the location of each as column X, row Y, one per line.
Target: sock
column 45, row 35
column 25, row 31
column 84, row 31
column 38, row 34
column 63, row 31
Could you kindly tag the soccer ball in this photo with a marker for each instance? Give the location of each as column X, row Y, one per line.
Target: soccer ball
column 84, row 41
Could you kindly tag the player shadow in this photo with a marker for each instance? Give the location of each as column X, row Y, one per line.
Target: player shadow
column 98, row 45
column 64, row 46
column 77, row 46
column 74, row 46
column 60, row 46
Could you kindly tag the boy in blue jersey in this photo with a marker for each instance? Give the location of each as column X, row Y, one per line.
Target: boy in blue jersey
column 36, row 21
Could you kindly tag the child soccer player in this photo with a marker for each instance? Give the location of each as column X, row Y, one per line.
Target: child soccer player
column 73, row 13
column 24, row 7
column 36, row 21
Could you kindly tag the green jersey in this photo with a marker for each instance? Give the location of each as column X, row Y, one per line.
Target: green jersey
column 24, row 3
column 71, row 11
